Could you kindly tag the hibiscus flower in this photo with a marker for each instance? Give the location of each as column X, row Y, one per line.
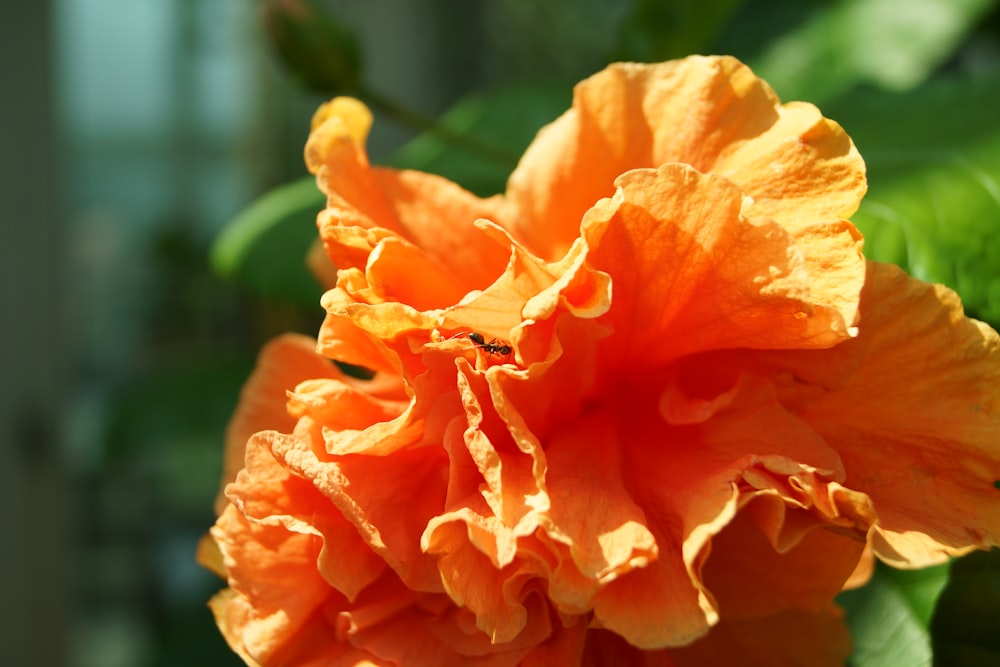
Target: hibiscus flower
column 649, row 406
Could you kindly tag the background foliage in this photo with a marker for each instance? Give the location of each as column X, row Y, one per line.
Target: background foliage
column 916, row 84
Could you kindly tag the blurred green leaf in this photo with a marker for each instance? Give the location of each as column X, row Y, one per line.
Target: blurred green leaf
column 968, row 614
column 508, row 117
column 264, row 248
column 170, row 423
column 882, row 43
column 933, row 205
column 656, row 30
column 889, row 617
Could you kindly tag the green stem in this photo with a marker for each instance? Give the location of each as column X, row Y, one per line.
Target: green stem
column 420, row 122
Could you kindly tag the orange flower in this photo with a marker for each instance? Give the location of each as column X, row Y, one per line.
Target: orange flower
column 690, row 408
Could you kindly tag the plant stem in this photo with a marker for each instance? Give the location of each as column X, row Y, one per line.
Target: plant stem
column 418, row 121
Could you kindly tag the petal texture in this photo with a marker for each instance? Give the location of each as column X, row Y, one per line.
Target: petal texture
column 710, row 113
column 911, row 405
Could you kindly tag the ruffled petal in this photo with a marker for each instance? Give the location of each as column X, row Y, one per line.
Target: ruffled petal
column 793, row 638
column 789, row 639
column 708, row 112
column 592, row 512
column 690, row 273
column 402, row 627
column 531, row 290
column 426, row 211
column 267, row 494
column 282, row 364
column 911, row 405
column 693, row 477
column 750, row 577
column 273, row 571
column 389, row 499
column 310, row 647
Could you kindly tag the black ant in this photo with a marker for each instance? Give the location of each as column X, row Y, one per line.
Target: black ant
column 495, row 347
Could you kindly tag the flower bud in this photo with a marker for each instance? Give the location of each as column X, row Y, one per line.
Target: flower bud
column 314, row 44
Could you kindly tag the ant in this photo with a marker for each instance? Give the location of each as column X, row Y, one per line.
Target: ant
column 495, row 347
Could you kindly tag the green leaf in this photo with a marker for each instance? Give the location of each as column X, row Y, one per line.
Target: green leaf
column 170, row 422
column 933, row 205
column 656, row 30
column 889, row 617
column 264, row 248
column 968, row 614
column 505, row 117
column 883, row 43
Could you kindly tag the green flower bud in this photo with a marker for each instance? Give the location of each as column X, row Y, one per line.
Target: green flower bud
column 314, row 44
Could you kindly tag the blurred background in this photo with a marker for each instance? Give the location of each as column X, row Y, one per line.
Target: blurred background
column 134, row 132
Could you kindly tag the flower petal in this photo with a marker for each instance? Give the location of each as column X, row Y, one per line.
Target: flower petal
column 911, row 405
column 402, row 627
column 282, row 364
column 427, row 211
column 373, row 336
column 267, row 494
column 749, row 577
column 689, row 273
column 708, row 112
column 591, row 510
column 389, row 499
column 804, row 167
column 531, row 290
column 789, row 639
column 274, row 572
column 690, row 479
column 309, row 647
column 793, row 638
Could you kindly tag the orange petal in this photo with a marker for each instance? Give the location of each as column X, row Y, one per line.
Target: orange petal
column 389, row 499
column 399, row 271
column 266, row 493
column 591, row 510
column 312, row 645
column 565, row 648
column 688, row 479
column 352, row 117
column 208, row 555
column 439, row 217
column 709, row 112
column 406, row 628
column 511, row 471
column 348, row 415
column 372, row 336
column 507, row 608
column 862, row 572
column 274, row 572
column 803, row 168
column 606, row 649
column 790, row 639
column 689, row 273
column 427, row 211
column 749, row 425
column 911, row 405
column 664, row 603
column 232, row 613
column 282, row 364
column 794, row 638
column 319, row 264
column 560, row 378
column 750, row 578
